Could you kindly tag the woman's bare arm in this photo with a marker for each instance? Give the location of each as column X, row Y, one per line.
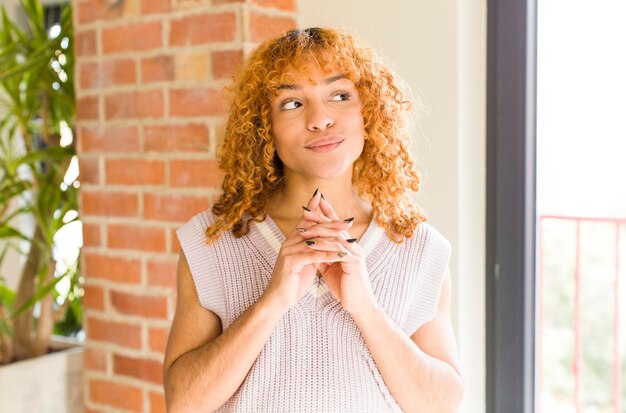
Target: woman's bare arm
column 203, row 367
column 422, row 371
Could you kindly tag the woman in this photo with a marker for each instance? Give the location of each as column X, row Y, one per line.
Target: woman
column 337, row 301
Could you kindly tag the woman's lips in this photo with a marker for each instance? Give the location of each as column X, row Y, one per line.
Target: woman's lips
column 325, row 146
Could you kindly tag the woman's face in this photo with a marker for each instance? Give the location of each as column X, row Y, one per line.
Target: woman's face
column 317, row 124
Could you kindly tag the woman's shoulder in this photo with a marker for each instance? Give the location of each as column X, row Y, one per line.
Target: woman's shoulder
column 428, row 236
column 434, row 240
column 425, row 228
column 196, row 226
column 202, row 221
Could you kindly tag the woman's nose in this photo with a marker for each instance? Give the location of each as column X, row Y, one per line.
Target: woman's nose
column 319, row 118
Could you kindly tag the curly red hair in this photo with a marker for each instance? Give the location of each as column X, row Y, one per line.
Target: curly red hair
column 383, row 174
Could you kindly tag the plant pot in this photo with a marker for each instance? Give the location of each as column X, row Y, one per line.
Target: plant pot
column 51, row 383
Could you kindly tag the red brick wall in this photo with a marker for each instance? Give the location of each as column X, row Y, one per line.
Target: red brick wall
column 149, row 77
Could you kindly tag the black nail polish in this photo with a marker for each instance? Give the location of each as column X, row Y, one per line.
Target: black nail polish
column 342, row 254
column 306, row 209
column 348, row 219
column 315, row 193
column 351, row 240
column 309, row 242
column 301, row 229
column 324, row 198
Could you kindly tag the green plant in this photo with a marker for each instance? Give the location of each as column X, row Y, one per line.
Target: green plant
column 36, row 104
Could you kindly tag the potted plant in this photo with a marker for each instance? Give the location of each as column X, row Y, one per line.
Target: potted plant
column 37, row 107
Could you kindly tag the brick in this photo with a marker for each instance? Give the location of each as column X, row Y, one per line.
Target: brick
column 85, row 43
column 135, row 172
column 287, row 5
column 94, row 297
column 157, row 402
column 173, row 207
column 192, row 66
column 131, row 37
column 195, row 173
column 143, row 305
column 118, row 72
column 162, row 273
column 89, row 169
column 203, row 28
column 155, row 6
column 109, row 139
column 176, row 138
column 157, row 69
column 94, row 10
column 196, row 102
column 157, row 338
column 136, row 237
column 263, row 27
column 105, row 203
column 111, row 72
column 136, row 104
column 117, row 395
column 123, row 334
column 225, row 62
column 91, row 234
column 87, row 108
column 144, row 369
column 95, row 359
column 89, row 75
column 117, row 269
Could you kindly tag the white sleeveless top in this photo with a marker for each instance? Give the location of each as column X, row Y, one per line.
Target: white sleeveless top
column 316, row 359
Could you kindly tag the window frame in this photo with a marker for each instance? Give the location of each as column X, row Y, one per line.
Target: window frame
column 511, row 206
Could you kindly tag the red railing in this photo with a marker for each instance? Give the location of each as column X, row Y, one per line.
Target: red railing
column 578, row 359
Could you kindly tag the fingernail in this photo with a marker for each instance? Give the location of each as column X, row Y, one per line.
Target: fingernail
column 301, row 229
column 306, row 209
column 309, row 242
column 342, row 254
column 324, row 198
column 315, row 193
column 348, row 219
column 351, row 240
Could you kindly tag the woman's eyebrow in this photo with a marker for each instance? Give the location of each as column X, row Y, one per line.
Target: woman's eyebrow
column 334, row 79
column 292, row 86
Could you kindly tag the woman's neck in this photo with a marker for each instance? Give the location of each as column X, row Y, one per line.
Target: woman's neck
column 296, row 192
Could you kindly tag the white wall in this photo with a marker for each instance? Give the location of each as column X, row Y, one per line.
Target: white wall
column 439, row 48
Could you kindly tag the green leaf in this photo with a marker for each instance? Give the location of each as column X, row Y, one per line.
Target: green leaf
column 41, row 293
column 51, row 153
column 7, row 231
column 9, row 190
column 7, row 296
column 34, row 11
column 40, row 61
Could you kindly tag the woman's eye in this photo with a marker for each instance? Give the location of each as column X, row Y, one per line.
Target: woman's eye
column 340, row 96
column 291, row 104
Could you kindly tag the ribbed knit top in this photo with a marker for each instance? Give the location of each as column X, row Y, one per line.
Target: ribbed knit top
column 316, row 359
